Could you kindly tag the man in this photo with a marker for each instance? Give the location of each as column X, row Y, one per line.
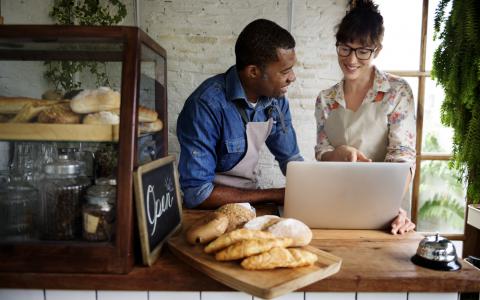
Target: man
column 228, row 118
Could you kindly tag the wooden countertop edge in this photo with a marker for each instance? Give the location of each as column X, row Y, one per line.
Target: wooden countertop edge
column 170, row 274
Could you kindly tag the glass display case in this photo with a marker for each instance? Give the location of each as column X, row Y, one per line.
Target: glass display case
column 80, row 109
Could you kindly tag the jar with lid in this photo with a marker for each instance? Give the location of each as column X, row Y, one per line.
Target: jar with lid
column 63, row 191
column 19, row 206
column 99, row 211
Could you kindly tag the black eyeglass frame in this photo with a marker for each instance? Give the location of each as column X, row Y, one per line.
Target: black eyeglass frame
column 355, row 50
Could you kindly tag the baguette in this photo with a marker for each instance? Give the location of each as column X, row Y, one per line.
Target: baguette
column 13, row 105
column 92, row 101
column 29, row 112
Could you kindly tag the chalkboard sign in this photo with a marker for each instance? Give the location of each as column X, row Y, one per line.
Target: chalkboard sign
column 159, row 209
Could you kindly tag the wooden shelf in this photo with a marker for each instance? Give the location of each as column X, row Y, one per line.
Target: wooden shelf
column 58, row 132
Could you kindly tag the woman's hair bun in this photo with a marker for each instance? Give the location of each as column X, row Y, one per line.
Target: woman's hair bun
column 364, row 5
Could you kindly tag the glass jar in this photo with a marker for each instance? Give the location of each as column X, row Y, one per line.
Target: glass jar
column 63, row 192
column 99, row 211
column 19, row 206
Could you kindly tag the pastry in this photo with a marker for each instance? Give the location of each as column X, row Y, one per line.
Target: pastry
column 207, row 228
column 59, row 113
column 103, row 117
column 247, row 248
column 294, row 229
column 238, row 214
column 147, row 127
column 280, row 258
column 262, row 222
column 232, row 237
column 91, row 101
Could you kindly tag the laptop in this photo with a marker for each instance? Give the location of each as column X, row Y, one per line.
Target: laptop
column 344, row 195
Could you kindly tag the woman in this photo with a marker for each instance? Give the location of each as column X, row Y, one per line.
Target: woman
column 369, row 115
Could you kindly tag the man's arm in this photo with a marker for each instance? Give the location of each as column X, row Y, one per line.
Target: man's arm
column 224, row 194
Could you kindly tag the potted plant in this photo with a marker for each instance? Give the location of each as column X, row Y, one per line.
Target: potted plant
column 82, row 12
column 456, row 67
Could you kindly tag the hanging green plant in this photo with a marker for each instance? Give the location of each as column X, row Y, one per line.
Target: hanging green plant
column 82, row 12
column 456, row 67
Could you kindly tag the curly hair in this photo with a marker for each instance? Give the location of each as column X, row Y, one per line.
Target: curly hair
column 258, row 42
column 362, row 23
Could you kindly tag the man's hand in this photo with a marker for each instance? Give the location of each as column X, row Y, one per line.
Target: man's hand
column 402, row 223
column 346, row 153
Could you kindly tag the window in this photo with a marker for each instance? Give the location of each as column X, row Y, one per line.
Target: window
column 438, row 197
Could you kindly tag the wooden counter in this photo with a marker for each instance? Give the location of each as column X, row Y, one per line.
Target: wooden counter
column 372, row 261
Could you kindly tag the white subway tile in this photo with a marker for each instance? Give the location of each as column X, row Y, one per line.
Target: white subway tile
column 174, row 295
column 69, row 294
column 381, row 296
column 225, row 295
column 17, row 294
column 122, row 295
column 432, row 296
column 329, row 296
column 289, row 296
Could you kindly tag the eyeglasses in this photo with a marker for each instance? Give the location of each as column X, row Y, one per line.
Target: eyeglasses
column 360, row 53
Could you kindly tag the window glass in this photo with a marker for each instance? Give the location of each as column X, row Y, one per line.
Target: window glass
column 436, row 137
column 441, row 199
column 401, row 42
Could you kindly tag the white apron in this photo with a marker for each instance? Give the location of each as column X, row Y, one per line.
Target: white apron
column 243, row 174
column 365, row 129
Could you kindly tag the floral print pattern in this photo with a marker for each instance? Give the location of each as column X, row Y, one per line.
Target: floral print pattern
column 388, row 90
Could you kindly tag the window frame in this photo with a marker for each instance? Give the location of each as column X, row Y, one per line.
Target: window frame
column 422, row 75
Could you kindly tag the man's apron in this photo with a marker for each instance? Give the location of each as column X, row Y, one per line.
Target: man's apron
column 243, row 174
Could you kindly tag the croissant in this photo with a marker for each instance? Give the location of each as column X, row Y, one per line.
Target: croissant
column 232, row 237
column 251, row 247
column 280, row 258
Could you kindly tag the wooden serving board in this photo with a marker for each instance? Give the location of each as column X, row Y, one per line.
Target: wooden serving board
column 265, row 284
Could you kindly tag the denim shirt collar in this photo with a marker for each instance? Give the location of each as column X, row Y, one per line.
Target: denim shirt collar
column 234, row 89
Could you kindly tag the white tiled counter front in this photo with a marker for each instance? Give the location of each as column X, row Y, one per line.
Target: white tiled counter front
column 16, row 294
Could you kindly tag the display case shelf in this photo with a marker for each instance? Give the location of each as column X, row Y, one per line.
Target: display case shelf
column 58, row 132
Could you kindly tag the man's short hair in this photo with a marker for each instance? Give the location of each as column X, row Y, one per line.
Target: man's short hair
column 258, row 42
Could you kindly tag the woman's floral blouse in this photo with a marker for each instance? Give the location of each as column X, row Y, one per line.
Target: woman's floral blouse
column 389, row 90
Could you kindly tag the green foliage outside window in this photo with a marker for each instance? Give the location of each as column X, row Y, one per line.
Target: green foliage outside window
column 82, row 12
column 456, row 67
column 442, row 205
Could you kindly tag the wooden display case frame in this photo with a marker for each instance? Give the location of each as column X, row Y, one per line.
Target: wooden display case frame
column 78, row 256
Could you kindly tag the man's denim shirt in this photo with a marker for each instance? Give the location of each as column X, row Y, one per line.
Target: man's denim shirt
column 212, row 134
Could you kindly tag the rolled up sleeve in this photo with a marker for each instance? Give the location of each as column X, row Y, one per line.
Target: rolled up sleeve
column 197, row 131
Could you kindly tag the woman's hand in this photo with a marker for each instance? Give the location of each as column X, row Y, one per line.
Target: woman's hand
column 402, row 223
column 346, row 153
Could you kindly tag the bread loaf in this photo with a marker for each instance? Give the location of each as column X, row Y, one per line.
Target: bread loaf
column 60, row 114
column 294, row 229
column 29, row 112
column 144, row 114
column 207, row 228
column 262, row 222
column 101, row 118
column 13, row 105
column 91, row 101
column 238, row 214
column 147, row 127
